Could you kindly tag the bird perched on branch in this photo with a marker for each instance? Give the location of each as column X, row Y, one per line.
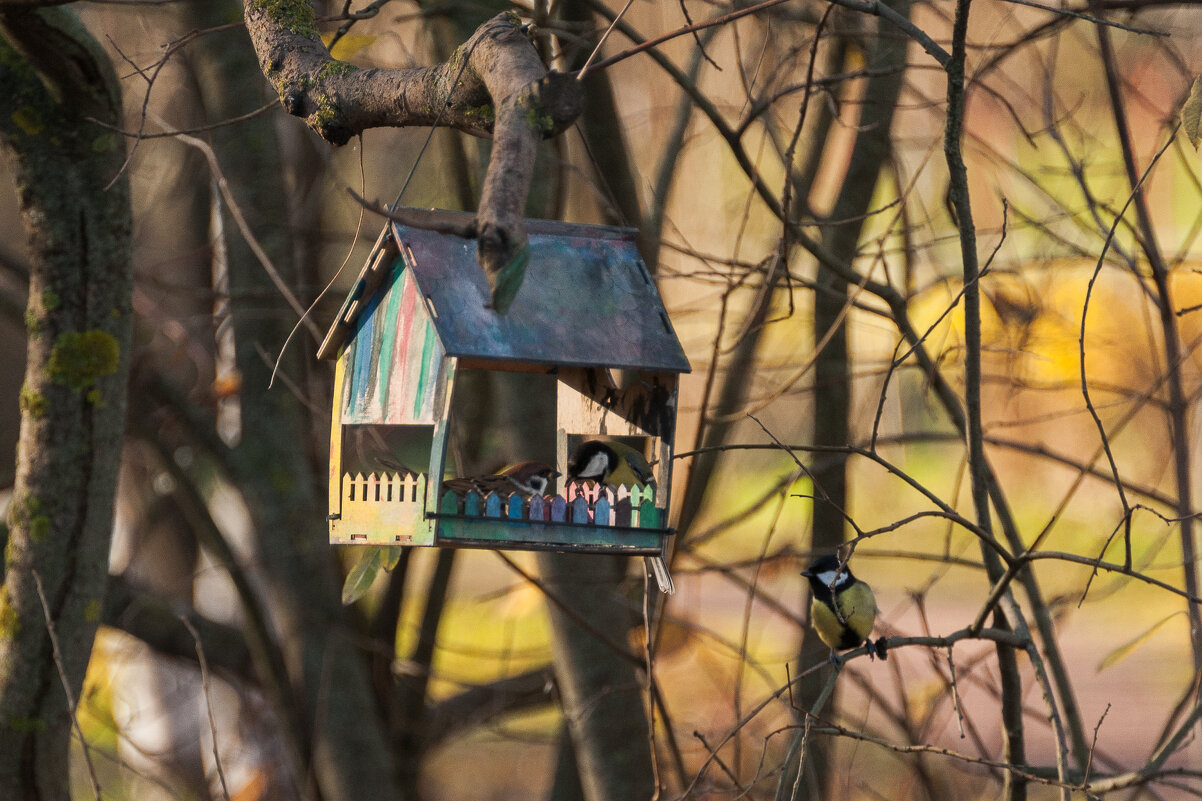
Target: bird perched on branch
column 610, row 462
column 843, row 608
column 528, row 478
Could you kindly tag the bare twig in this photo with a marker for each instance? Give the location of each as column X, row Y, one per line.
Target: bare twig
column 251, row 240
column 1178, row 406
column 204, row 683
column 951, row 664
column 651, row 44
column 72, row 709
column 415, row 218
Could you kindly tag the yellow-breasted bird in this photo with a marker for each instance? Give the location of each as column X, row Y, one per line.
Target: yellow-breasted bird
column 613, row 462
column 610, row 462
column 843, row 608
column 528, row 478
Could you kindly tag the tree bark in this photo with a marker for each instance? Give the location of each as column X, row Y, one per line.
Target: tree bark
column 77, row 218
column 599, row 687
column 832, row 368
column 337, row 732
column 340, row 740
column 494, row 85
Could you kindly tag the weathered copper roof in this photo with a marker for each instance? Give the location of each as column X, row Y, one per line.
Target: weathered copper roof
column 587, row 298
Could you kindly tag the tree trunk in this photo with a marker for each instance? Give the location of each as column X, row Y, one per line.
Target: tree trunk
column 599, row 687
column 336, row 728
column 73, row 400
column 832, row 369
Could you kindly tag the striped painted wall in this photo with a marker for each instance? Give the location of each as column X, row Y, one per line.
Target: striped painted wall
column 393, row 360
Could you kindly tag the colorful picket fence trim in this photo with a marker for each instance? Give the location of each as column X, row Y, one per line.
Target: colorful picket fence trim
column 385, row 508
column 388, row 500
column 386, row 488
column 588, row 505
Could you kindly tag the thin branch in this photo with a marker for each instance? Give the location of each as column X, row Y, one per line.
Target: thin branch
column 652, row 44
column 72, row 708
column 204, row 683
column 247, row 234
column 198, row 129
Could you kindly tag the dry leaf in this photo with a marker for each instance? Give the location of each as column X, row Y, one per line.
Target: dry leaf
column 1191, row 112
column 1123, row 651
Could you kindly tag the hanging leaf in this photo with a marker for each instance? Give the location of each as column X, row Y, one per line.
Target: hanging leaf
column 360, row 579
column 348, row 45
column 1123, row 651
column 1191, row 113
column 389, row 556
column 507, row 282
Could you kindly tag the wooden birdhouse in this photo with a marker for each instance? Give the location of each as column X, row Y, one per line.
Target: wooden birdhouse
column 415, row 323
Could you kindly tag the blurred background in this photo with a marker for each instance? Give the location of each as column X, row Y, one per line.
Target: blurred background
column 822, row 404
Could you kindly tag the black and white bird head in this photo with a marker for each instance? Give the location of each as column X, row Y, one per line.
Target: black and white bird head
column 594, row 460
column 532, row 478
column 828, row 576
column 609, row 463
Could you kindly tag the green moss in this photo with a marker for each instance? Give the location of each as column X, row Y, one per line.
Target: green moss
column 486, row 113
column 33, row 323
column 39, row 527
column 27, row 513
column 104, row 142
column 33, row 402
column 326, row 111
column 50, row 300
column 10, row 620
column 292, row 15
column 91, row 612
column 540, row 121
column 29, row 120
column 81, row 357
column 93, row 397
column 336, row 67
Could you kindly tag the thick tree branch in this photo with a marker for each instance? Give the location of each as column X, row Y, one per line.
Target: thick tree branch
column 59, row 524
column 494, row 85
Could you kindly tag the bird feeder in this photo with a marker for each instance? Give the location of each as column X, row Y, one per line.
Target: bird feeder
column 416, row 320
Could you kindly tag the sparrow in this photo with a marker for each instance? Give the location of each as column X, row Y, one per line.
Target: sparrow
column 842, row 609
column 528, row 478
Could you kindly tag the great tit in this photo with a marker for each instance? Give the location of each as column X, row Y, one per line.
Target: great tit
column 842, row 609
column 610, row 462
column 613, row 462
column 528, row 478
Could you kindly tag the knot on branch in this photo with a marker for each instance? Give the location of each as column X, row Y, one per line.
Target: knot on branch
column 552, row 103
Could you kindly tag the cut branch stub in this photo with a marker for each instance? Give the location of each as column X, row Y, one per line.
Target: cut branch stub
column 494, row 85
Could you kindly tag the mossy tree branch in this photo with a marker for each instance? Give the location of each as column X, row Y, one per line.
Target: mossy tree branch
column 494, row 85
column 60, row 520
